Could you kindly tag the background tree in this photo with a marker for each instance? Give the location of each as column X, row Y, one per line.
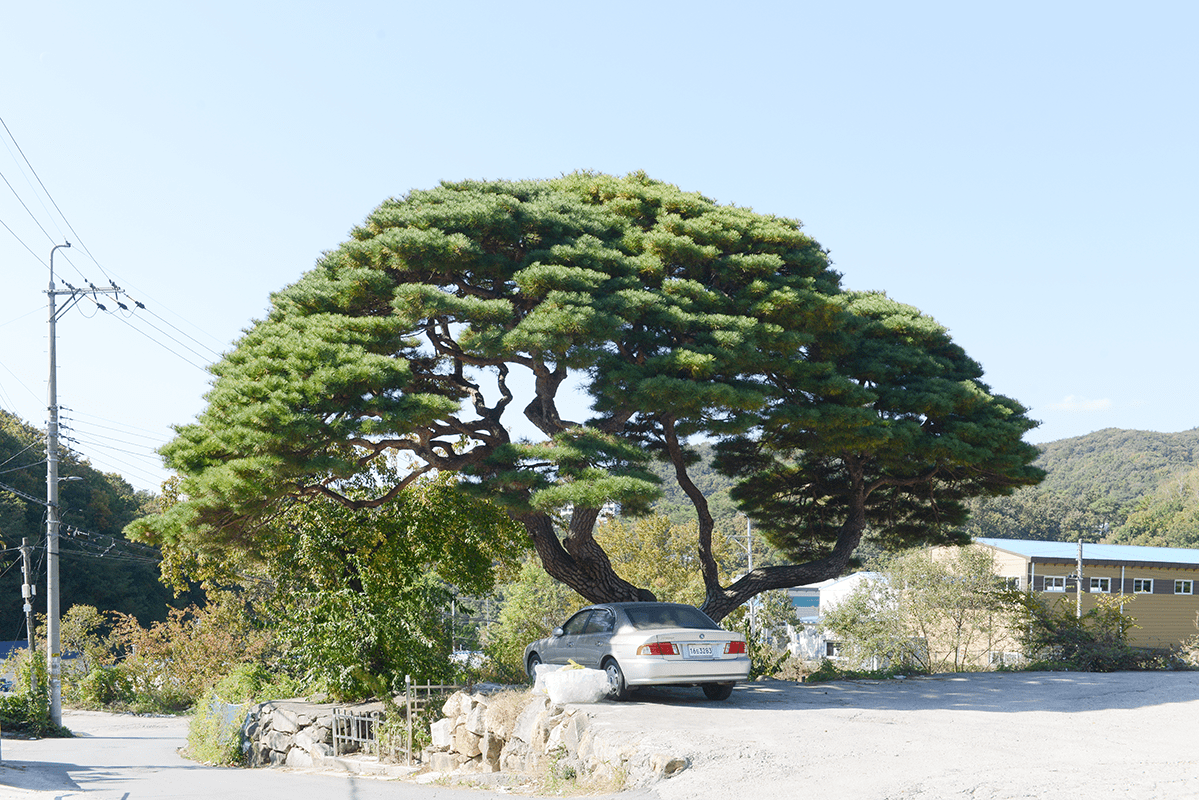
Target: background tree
column 933, row 610
column 363, row 595
column 688, row 318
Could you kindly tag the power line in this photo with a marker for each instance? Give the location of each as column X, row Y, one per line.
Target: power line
column 22, row 241
column 163, row 346
column 50, row 197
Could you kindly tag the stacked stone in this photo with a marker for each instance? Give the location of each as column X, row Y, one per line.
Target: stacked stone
column 543, row 738
column 293, row 733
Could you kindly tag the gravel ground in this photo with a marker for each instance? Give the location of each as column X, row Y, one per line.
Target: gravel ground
column 978, row 736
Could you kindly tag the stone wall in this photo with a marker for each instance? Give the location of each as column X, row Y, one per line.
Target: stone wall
column 475, row 736
column 523, row 735
column 290, row 732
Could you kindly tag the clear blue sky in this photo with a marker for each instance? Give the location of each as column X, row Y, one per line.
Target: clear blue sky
column 1026, row 173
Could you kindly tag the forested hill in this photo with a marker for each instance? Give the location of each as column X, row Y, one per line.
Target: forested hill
column 1113, row 485
column 97, row 566
column 1123, row 465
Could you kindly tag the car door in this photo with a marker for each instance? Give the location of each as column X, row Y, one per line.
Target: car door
column 561, row 649
column 592, row 643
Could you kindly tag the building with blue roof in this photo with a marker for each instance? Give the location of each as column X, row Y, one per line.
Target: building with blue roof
column 1156, row 586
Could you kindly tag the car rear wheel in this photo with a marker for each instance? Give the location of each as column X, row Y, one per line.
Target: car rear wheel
column 718, row 691
column 531, row 667
column 617, row 689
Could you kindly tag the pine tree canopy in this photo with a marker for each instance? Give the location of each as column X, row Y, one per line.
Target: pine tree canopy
column 688, row 320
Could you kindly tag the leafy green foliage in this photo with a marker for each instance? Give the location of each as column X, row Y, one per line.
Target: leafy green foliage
column 27, row 709
column 214, row 732
column 369, row 591
column 932, row 611
column 687, row 318
column 660, row 554
column 1055, row 638
column 1115, row 486
column 532, row 605
column 99, row 503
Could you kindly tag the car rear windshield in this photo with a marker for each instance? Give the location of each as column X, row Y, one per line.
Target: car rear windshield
column 651, row 617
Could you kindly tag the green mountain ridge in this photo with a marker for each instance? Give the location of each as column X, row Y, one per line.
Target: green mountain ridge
column 1113, row 485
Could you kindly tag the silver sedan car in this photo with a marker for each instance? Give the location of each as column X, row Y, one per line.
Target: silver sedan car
column 647, row 644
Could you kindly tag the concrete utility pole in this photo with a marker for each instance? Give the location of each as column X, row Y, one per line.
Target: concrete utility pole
column 53, row 649
column 28, row 590
column 1078, row 594
column 53, row 519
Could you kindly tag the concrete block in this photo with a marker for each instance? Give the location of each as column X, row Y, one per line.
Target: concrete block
column 442, row 732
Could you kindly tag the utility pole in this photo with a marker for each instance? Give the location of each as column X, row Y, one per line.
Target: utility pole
column 1078, row 594
column 53, row 518
column 28, row 590
column 749, row 567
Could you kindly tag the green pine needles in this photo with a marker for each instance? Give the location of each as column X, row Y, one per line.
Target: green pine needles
column 396, row 357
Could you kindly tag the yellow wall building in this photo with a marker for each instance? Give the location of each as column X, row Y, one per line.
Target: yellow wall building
column 1159, row 585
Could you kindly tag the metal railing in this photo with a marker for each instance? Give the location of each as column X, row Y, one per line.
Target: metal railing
column 355, row 731
column 359, row 731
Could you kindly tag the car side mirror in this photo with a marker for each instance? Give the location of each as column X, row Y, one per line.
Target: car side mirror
column 558, row 632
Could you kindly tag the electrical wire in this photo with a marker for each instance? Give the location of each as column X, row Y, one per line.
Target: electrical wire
column 28, row 447
column 50, row 197
column 164, row 347
column 18, row 469
column 23, row 244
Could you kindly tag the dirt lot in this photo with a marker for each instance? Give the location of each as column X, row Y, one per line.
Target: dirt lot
column 978, row 736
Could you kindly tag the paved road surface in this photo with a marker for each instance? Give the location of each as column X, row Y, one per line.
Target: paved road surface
column 124, row 757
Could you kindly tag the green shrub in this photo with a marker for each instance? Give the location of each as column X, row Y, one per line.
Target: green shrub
column 27, row 710
column 214, row 734
column 105, row 686
column 255, row 683
column 1056, row 638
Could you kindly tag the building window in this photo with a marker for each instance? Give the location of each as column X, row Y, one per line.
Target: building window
column 1142, row 586
column 1055, row 583
column 1101, row 585
column 1184, row 587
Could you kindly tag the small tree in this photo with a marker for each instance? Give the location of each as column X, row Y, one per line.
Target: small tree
column 936, row 610
column 1055, row 637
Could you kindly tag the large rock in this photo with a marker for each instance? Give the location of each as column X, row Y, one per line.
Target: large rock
column 467, row 743
column 443, row 734
column 475, row 717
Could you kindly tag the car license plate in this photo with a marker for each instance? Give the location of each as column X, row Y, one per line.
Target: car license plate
column 699, row 651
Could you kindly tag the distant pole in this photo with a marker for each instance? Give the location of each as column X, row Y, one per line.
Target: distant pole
column 1078, row 609
column 53, row 648
column 28, row 589
column 749, row 549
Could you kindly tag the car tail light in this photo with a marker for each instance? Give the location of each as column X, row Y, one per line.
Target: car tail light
column 658, row 649
column 734, row 649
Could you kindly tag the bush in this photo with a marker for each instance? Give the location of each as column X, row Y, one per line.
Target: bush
column 214, row 735
column 28, row 711
column 1055, row 638
column 105, row 686
column 255, row 683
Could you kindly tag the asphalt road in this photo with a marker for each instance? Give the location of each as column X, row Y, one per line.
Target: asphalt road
column 981, row 736
column 125, row 757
